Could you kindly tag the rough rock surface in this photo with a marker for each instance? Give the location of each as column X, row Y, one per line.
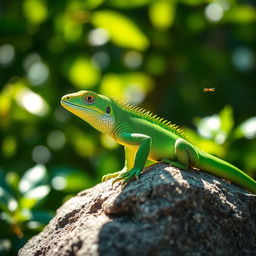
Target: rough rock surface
column 167, row 212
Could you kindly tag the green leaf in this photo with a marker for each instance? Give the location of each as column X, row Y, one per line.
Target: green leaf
column 91, row 4
column 167, row 10
column 33, row 186
column 7, row 201
column 12, row 179
column 134, row 85
column 122, row 30
column 33, row 178
column 84, row 73
column 38, row 16
column 194, row 2
column 246, row 129
column 70, row 179
column 33, row 196
column 128, row 4
column 226, row 119
column 240, row 14
column 205, row 144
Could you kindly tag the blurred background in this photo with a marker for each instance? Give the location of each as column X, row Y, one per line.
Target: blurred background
column 159, row 54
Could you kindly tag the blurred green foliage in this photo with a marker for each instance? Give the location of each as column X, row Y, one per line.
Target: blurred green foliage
column 159, row 53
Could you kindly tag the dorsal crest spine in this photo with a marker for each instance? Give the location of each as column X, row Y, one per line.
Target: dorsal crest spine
column 151, row 117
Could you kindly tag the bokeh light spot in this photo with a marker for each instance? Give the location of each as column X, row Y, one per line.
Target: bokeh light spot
column 59, row 183
column 7, row 54
column 98, row 36
column 31, row 59
column 56, row 139
column 102, row 58
column 35, row 10
column 133, row 59
column 32, row 102
column 108, row 142
column 38, row 73
column 243, row 59
column 208, row 125
column 41, row 154
column 249, row 128
column 9, row 146
column 84, row 73
column 214, row 12
column 32, row 175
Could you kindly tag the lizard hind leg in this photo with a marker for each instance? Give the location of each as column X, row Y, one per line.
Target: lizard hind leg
column 185, row 154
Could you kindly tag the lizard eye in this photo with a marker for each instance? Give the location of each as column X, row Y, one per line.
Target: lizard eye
column 89, row 99
column 108, row 110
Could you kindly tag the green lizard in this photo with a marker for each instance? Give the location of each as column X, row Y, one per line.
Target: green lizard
column 147, row 137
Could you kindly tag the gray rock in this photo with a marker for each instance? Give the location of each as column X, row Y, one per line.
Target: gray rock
column 166, row 212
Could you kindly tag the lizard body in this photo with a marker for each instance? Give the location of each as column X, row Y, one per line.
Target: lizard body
column 147, row 137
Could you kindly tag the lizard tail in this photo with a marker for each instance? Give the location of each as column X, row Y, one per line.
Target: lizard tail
column 226, row 170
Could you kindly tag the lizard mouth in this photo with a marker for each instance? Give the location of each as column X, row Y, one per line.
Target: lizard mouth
column 66, row 104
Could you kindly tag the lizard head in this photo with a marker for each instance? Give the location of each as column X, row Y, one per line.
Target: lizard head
column 94, row 108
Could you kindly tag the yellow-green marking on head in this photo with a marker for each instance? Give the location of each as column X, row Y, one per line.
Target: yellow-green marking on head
column 95, row 109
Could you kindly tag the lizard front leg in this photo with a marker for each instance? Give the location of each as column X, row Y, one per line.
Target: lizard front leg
column 129, row 162
column 144, row 143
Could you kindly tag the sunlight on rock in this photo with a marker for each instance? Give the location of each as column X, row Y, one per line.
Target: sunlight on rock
column 98, row 36
column 214, row 12
column 41, row 154
column 32, row 102
column 243, row 59
column 7, row 54
column 32, row 175
column 56, row 139
column 133, row 59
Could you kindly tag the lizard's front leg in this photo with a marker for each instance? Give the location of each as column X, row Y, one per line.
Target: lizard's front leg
column 144, row 143
column 129, row 162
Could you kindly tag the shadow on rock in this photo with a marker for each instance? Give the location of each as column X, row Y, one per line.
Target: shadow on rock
column 166, row 212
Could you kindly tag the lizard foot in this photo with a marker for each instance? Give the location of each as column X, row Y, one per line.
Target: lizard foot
column 178, row 165
column 113, row 175
column 174, row 164
column 127, row 176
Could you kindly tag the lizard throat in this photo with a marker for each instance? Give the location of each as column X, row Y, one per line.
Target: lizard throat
column 99, row 121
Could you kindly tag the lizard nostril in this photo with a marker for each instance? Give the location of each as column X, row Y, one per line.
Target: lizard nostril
column 68, row 98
